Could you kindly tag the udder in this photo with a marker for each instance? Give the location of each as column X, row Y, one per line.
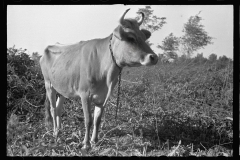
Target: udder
column 99, row 96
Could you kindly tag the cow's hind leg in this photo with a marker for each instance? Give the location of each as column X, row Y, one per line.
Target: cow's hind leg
column 48, row 117
column 98, row 112
column 51, row 96
column 60, row 101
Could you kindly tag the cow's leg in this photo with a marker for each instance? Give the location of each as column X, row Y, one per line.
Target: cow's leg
column 88, row 120
column 51, row 94
column 103, row 122
column 60, row 102
column 98, row 112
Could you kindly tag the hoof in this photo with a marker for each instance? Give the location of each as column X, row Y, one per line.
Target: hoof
column 86, row 147
column 56, row 133
column 93, row 144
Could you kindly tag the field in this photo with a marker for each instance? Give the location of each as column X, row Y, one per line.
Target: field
column 179, row 109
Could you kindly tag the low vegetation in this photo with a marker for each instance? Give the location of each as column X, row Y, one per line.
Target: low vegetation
column 177, row 109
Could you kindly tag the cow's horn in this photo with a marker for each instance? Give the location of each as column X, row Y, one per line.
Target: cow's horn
column 121, row 21
column 141, row 20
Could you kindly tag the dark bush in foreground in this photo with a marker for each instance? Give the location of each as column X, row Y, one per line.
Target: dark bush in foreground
column 25, row 85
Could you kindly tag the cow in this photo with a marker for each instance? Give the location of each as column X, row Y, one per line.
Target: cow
column 89, row 70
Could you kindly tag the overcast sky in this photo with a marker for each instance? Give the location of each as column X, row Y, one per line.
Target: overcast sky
column 34, row 27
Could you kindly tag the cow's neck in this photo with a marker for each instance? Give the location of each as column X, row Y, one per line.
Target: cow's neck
column 111, row 51
column 109, row 69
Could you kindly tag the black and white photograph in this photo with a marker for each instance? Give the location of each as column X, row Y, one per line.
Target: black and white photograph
column 120, row 80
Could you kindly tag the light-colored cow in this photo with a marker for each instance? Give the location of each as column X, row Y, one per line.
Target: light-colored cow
column 89, row 70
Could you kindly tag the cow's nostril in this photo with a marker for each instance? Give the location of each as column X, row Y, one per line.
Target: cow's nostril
column 152, row 58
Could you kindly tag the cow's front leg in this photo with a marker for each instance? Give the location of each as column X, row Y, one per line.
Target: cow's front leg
column 98, row 112
column 96, row 122
column 88, row 120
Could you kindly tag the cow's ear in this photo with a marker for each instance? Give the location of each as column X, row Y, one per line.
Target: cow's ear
column 119, row 32
column 146, row 33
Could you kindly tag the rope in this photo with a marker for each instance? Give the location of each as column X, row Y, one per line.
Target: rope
column 119, row 77
column 118, row 94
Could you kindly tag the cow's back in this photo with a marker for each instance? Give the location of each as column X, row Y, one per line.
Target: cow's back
column 53, row 52
column 57, row 59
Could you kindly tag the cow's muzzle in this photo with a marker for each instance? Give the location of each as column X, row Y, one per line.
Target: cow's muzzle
column 150, row 59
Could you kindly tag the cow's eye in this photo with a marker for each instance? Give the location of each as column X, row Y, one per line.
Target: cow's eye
column 131, row 39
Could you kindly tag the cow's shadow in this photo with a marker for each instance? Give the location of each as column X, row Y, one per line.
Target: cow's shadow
column 168, row 132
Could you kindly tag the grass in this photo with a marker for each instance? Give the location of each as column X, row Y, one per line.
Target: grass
column 169, row 109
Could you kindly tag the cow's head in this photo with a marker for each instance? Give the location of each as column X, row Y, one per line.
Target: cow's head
column 129, row 46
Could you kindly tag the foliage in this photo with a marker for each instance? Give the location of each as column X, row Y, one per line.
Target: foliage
column 212, row 57
column 170, row 45
column 223, row 62
column 25, row 86
column 151, row 22
column 168, row 57
column 195, row 37
column 200, row 59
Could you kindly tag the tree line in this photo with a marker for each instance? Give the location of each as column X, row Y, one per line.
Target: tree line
column 194, row 36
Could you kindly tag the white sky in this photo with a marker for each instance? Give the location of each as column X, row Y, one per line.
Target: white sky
column 33, row 27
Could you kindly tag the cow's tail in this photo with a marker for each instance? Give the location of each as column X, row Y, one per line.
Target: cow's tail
column 48, row 116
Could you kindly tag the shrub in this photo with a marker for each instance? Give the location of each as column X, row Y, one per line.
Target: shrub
column 25, row 85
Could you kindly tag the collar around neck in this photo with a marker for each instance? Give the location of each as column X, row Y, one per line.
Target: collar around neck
column 110, row 48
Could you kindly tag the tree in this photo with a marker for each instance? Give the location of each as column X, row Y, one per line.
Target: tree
column 170, row 46
column 199, row 59
column 172, row 55
column 195, row 37
column 223, row 59
column 151, row 22
column 182, row 58
column 212, row 57
column 223, row 62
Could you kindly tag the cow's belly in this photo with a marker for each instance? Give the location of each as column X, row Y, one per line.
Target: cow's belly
column 65, row 84
column 66, row 91
column 70, row 87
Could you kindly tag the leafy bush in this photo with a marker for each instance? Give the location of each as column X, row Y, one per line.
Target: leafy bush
column 25, row 85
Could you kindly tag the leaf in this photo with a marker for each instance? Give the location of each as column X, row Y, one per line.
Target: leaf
column 172, row 153
column 105, row 151
column 123, row 153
